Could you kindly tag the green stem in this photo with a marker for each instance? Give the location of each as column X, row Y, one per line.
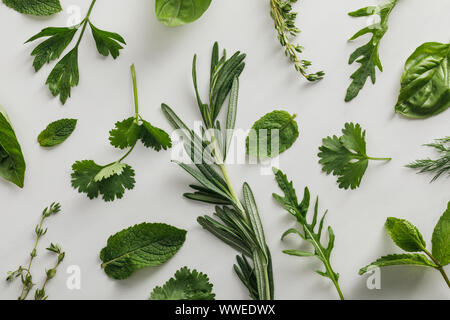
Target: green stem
column 439, row 267
column 85, row 22
column 380, row 159
column 135, row 92
column 127, row 154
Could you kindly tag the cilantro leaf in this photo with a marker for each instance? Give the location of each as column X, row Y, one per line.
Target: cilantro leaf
column 12, row 163
column 367, row 56
column 143, row 245
column 186, row 285
column 405, row 234
column 64, row 76
column 154, row 137
column 35, row 7
column 107, row 42
column 276, row 130
column 125, row 134
column 109, row 181
column 52, row 48
column 57, row 132
column 345, row 156
column 441, row 239
column 397, row 260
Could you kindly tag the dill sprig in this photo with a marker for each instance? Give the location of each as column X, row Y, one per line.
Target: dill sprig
column 284, row 19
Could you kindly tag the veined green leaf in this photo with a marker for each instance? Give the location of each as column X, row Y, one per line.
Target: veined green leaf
column 441, row 239
column 405, row 235
column 107, row 42
column 399, row 259
column 35, row 7
column 57, row 132
column 174, row 13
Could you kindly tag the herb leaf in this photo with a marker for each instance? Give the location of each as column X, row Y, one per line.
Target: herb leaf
column 33, row 7
column 107, row 42
column 143, row 245
column 57, row 132
column 425, row 88
column 346, row 156
column 441, row 239
column 174, row 13
column 367, row 56
column 12, row 163
column 397, row 260
column 405, row 235
column 186, row 285
column 276, row 129
column 153, row 137
column 125, row 134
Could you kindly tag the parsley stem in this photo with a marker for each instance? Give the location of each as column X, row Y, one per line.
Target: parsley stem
column 381, row 159
column 135, row 92
column 85, row 22
column 439, row 267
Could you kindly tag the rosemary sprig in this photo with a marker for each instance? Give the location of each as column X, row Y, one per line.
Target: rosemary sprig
column 439, row 166
column 237, row 222
column 25, row 273
column 284, row 19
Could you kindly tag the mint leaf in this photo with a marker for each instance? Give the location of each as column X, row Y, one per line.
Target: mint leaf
column 186, row 285
column 345, row 156
column 57, row 132
column 143, row 245
column 405, row 235
column 154, row 137
column 174, row 13
column 35, row 7
column 425, row 89
column 397, row 260
column 276, row 129
column 441, row 239
column 64, row 76
column 109, row 181
column 12, row 163
column 52, row 48
column 125, row 133
column 107, row 42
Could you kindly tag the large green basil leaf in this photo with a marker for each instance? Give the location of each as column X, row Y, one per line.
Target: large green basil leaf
column 174, row 13
column 425, row 83
column 12, row 163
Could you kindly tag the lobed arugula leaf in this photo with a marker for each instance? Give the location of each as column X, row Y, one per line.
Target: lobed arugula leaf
column 186, row 285
column 271, row 135
column 57, row 132
column 367, row 56
column 174, row 13
column 12, row 163
column 425, row 84
column 345, row 156
column 143, row 245
column 35, row 7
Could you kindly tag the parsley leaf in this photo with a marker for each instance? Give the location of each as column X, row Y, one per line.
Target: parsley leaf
column 57, row 132
column 367, row 56
column 186, row 285
column 107, row 42
column 109, row 181
column 345, row 156
column 35, row 7
column 143, row 245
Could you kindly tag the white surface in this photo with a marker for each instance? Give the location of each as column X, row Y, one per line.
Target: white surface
column 163, row 60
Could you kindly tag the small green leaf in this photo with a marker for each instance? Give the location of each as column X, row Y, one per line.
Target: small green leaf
column 143, row 245
column 125, row 133
column 441, row 239
column 12, row 163
column 116, row 168
column 35, row 7
column 397, row 260
column 154, row 137
column 186, row 285
column 405, row 235
column 178, row 12
column 425, row 85
column 107, row 42
column 299, row 253
column 277, row 130
column 57, row 132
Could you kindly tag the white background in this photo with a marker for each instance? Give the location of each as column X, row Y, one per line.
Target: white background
column 163, row 59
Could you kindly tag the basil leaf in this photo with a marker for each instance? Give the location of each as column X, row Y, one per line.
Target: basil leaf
column 425, row 83
column 143, row 245
column 12, row 163
column 174, row 13
column 441, row 239
column 57, row 132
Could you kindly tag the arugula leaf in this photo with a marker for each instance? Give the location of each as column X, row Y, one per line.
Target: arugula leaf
column 57, row 132
column 186, row 285
column 174, row 13
column 405, row 234
column 299, row 211
column 441, row 239
column 277, row 130
column 35, row 7
column 64, row 76
column 52, row 48
column 107, row 42
column 367, row 56
column 399, row 260
column 12, row 163
column 425, row 86
column 109, row 181
column 346, row 156
column 143, row 245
